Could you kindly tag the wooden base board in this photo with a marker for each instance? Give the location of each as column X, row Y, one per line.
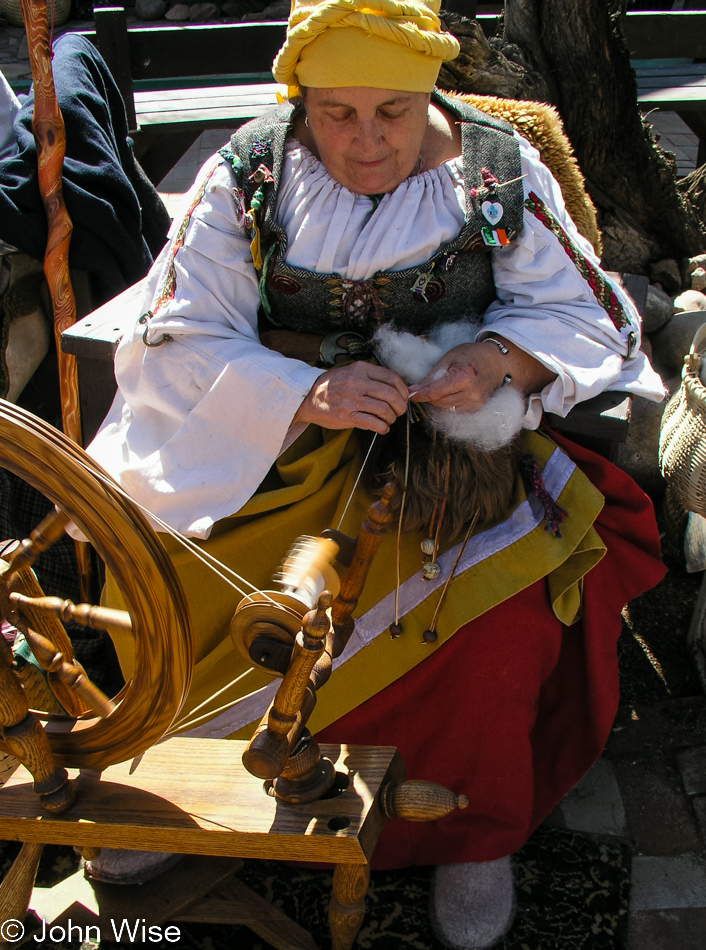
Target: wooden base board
column 193, row 796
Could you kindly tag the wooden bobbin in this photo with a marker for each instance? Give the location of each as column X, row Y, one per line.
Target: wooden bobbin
column 278, row 736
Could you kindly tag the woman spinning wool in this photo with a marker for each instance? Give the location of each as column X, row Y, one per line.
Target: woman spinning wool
column 372, row 213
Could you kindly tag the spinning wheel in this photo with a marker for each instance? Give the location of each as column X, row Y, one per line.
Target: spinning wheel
column 157, row 611
column 183, row 814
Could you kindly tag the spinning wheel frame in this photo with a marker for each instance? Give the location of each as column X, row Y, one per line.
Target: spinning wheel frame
column 132, row 552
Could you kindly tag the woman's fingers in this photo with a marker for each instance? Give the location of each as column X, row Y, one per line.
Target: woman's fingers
column 463, row 379
column 359, row 395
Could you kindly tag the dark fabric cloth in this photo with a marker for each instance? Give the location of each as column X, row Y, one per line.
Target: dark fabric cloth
column 515, row 707
column 112, row 205
column 21, row 510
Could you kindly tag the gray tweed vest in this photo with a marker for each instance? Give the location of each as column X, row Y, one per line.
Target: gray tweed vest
column 456, row 282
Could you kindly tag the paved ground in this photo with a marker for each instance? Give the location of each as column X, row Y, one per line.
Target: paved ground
column 649, row 787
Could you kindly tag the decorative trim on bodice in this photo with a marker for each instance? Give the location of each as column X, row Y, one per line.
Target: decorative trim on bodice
column 456, row 281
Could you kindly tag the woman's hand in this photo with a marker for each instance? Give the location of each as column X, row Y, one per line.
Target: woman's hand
column 360, row 396
column 468, row 375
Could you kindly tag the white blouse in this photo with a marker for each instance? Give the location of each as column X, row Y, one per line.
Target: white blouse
column 198, row 421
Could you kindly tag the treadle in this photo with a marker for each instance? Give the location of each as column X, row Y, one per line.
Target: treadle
column 92, row 903
column 233, row 902
column 198, row 889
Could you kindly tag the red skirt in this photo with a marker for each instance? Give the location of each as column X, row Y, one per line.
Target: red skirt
column 514, row 708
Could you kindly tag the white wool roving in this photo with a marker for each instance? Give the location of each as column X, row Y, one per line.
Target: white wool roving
column 493, row 426
column 412, row 357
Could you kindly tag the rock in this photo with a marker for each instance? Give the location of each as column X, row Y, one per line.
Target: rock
column 666, row 273
column 150, row 9
column 658, row 310
column 690, row 300
column 698, row 279
column 178, row 13
column 279, row 10
column 232, row 9
column 204, row 12
column 638, row 456
column 23, row 51
column 27, row 344
column 274, row 11
column 671, row 344
column 694, row 262
column 646, row 347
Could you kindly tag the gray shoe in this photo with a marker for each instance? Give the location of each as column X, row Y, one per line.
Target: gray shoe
column 129, row 867
column 472, row 906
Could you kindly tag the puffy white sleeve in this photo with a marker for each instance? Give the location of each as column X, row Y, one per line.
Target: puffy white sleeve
column 555, row 303
column 200, row 418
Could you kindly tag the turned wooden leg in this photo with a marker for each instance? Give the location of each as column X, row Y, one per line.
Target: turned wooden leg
column 347, row 908
column 25, row 738
column 16, row 891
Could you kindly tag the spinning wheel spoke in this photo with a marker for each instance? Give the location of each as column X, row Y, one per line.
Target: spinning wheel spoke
column 66, row 677
column 18, row 579
column 47, row 533
column 96, row 618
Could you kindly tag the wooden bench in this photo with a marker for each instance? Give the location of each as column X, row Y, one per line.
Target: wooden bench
column 666, row 48
column 224, row 79
column 178, row 81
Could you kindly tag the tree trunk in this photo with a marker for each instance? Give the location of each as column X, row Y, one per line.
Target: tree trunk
column 573, row 53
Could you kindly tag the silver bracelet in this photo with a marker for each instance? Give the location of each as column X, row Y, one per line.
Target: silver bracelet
column 491, row 339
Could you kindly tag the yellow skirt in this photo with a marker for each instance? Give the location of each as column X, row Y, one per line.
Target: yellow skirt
column 313, row 481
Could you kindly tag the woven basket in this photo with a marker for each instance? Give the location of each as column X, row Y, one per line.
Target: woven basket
column 12, row 11
column 682, row 438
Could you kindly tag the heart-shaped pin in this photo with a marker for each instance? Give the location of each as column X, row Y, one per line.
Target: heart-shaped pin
column 492, row 211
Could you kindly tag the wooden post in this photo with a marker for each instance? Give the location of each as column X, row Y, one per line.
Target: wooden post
column 347, row 908
column 307, row 775
column 353, row 580
column 50, row 139
column 25, row 738
column 114, row 47
column 16, row 892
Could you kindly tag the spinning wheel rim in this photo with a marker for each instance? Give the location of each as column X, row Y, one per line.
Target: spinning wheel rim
column 135, row 556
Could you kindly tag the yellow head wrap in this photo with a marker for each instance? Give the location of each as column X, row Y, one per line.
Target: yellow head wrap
column 389, row 44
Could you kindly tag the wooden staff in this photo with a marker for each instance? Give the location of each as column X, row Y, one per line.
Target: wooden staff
column 50, row 139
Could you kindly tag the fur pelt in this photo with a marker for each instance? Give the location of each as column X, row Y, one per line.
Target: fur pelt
column 446, row 479
column 541, row 125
